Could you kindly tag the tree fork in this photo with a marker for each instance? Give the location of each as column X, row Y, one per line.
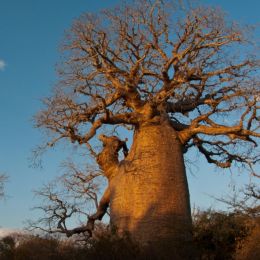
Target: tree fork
column 108, row 162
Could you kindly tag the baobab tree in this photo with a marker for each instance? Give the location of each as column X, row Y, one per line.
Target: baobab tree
column 177, row 79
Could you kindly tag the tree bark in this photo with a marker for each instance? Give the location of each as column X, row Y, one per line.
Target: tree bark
column 149, row 197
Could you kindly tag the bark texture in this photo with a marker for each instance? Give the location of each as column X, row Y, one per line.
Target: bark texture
column 149, row 195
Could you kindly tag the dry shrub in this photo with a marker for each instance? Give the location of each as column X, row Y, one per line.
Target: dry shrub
column 7, row 245
column 217, row 235
column 250, row 248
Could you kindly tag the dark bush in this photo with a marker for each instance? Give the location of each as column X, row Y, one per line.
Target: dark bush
column 250, row 249
column 7, row 245
column 217, row 235
column 37, row 248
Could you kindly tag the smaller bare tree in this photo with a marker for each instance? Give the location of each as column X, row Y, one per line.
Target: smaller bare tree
column 65, row 200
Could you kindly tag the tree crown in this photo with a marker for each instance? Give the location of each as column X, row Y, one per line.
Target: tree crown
column 138, row 64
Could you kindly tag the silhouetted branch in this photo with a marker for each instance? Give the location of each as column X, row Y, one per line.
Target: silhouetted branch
column 247, row 201
column 3, row 179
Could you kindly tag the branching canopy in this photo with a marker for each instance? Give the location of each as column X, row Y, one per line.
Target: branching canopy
column 131, row 65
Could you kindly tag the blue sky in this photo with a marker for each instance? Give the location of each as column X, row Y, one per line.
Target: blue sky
column 30, row 34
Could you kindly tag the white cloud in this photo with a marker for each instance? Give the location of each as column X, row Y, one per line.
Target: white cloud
column 2, row 64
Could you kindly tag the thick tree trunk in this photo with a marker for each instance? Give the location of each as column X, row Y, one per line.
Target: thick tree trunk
column 149, row 196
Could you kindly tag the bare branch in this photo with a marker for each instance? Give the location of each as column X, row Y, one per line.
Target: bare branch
column 3, row 179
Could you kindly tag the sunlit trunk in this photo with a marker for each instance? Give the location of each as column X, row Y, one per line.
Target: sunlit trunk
column 149, row 196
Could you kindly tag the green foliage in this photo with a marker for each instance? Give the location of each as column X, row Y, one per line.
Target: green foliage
column 217, row 235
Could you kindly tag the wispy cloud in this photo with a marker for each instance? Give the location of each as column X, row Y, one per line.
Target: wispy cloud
column 2, row 64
